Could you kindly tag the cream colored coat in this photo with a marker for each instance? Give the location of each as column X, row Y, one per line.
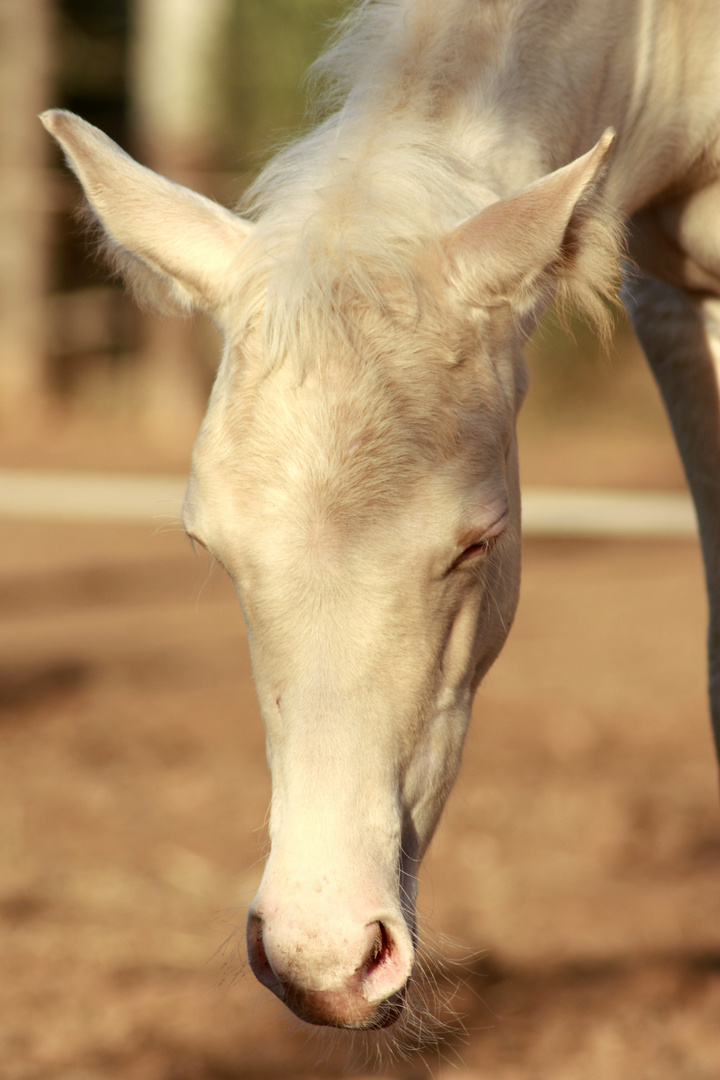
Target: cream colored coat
column 356, row 473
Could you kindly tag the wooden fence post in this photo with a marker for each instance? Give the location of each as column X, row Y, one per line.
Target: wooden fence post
column 25, row 50
column 173, row 111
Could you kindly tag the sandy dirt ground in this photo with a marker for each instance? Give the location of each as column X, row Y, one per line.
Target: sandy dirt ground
column 574, row 883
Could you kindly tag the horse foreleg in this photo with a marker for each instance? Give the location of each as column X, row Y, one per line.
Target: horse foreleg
column 680, row 335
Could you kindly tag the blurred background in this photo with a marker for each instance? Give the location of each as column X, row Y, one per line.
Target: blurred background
column 573, row 886
column 202, row 91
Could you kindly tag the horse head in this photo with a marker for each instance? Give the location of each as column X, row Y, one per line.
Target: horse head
column 356, row 475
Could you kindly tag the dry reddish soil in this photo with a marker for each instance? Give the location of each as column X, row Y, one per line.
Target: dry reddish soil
column 574, row 882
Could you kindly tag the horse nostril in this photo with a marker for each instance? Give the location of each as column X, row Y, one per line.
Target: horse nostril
column 384, row 975
column 261, row 966
column 379, row 947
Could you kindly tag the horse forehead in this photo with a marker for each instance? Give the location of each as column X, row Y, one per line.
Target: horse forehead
column 344, row 438
column 327, row 456
column 349, row 436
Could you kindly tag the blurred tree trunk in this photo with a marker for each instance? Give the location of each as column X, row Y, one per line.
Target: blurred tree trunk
column 174, row 117
column 25, row 48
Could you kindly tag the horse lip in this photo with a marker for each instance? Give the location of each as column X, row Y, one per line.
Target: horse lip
column 312, row 1008
column 390, row 1009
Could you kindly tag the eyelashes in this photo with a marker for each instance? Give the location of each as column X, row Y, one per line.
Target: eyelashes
column 195, row 543
column 482, row 543
column 476, row 552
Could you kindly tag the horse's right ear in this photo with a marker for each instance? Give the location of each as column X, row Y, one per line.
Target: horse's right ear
column 558, row 235
column 174, row 247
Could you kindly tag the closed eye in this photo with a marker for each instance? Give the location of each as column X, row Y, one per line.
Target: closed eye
column 196, row 543
column 475, row 552
column 481, row 545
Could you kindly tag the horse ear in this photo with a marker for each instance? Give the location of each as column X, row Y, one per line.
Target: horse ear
column 558, row 232
column 175, row 247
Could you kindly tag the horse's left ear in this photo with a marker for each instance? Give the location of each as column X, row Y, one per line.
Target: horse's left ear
column 558, row 231
column 174, row 247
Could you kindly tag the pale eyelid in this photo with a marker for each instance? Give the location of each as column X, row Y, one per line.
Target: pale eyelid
column 498, row 526
column 482, row 542
column 196, row 540
column 476, row 536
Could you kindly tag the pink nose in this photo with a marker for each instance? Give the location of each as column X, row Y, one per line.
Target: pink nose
column 368, row 997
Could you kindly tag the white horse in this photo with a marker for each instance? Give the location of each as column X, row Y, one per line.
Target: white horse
column 356, row 473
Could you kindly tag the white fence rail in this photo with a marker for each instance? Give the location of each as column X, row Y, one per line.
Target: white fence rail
column 642, row 515
column 550, row 512
column 84, row 496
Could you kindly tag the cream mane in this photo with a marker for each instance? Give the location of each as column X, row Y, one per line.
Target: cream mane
column 407, row 154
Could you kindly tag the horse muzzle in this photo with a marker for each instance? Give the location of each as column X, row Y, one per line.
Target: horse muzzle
column 343, row 976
